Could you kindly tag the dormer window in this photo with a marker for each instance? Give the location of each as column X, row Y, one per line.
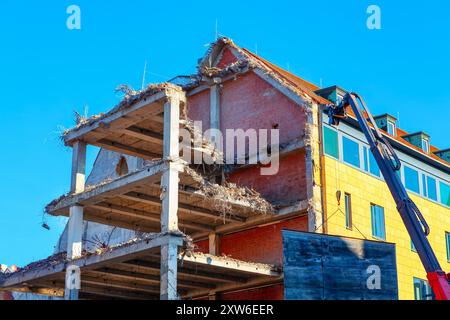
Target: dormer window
column 419, row 139
column 387, row 123
column 425, row 145
column 391, row 127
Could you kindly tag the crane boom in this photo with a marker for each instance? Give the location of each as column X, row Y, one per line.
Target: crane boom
column 389, row 165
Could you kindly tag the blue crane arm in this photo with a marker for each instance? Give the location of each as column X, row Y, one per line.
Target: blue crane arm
column 389, row 165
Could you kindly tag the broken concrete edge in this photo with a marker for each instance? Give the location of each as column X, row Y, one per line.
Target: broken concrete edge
column 153, row 168
column 225, row 260
column 223, row 197
column 61, row 257
column 58, row 262
column 130, row 99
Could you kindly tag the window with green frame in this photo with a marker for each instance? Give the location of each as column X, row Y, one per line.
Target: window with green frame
column 447, row 241
column 445, row 193
column 350, row 151
column 331, row 145
column 422, row 290
column 378, row 224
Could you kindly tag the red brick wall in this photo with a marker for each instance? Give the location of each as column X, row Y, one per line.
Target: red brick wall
column 227, row 58
column 267, row 293
column 198, row 108
column 261, row 244
column 251, row 102
column 289, row 184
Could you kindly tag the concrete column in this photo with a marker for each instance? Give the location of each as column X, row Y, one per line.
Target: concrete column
column 215, row 108
column 75, row 223
column 169, row 190
column 169, row 253
column 214, row 244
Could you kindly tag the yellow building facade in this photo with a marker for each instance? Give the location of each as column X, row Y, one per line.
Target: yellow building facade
column 355, row 195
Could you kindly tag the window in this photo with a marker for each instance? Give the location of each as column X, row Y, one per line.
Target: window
column 391, row 128
column 331, row 146
column 350, row 151
column 445, row 193
column 366, row 158
column 429, row 187
column 411, row 179
column 122, row 167
column 422, row 290
column 425, row 145
column 447, row 241
column 378, row 227
column 370, row 164
column 348, row 211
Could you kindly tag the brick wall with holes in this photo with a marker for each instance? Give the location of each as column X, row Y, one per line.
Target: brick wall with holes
column 249, row 102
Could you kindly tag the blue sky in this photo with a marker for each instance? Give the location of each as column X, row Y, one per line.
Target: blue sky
column 47, row 71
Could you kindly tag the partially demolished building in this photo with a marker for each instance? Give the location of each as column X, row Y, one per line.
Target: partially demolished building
column 208, row 230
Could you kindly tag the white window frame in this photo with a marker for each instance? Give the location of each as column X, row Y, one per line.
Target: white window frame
column 389, row 122
column 425, row 145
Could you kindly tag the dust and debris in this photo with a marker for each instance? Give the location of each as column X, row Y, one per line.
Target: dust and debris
column 131, row 97
column 61, row 257
column 223, row 196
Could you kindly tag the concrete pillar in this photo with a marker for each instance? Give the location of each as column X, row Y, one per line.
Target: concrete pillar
column 169, row 253
column 169, row 189
column 215, row 109
column 214, row 244
column 75, row 223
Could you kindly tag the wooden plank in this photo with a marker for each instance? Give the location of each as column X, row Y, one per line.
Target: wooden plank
column 144, row 134
column 153, row 267
column 122, row 148
column 183, row 208
column 129, row 274
column 146, row 215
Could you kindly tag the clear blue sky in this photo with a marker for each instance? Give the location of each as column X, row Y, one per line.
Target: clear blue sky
column 47, row 71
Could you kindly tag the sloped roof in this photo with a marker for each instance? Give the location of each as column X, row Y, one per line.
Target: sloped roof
column 287, row 79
